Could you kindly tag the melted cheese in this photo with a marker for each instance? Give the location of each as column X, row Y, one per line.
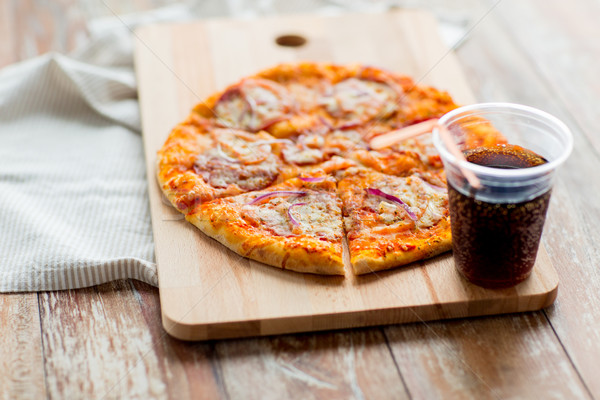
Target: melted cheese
column 388, row 212
column 355, row 99
column 343, row 140
column 435, row 209
column 302, row 155
column 312, row 140
column 428, row 204
column 319, row 215
column 270, row 217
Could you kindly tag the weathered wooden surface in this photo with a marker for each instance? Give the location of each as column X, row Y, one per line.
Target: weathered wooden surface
column 566, row 64
column 21, row 357
column 542, row 53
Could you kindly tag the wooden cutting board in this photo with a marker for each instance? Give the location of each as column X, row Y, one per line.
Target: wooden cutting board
column 209, row 292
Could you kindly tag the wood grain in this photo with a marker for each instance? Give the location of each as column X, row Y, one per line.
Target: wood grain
column 21, row 367
column 33, row 27
column 189, row 370
column 565, row 63
column 111, row 337
column 207, row 291
column 107, row 342
column 560, row 43
column 34, row 19
column 320, row 366
column 568, row 236
column 100, row 333
column 7, row 27
column 469, row 359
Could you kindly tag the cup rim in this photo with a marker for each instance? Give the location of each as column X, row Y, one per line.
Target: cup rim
column 497, row 172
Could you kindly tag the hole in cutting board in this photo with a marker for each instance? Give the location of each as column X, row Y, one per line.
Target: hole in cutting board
column 290, row 40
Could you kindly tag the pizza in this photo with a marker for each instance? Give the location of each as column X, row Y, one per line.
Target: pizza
column 295, row 225
column 278, row 168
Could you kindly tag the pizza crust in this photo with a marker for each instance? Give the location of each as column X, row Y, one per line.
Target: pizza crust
column 390, row 253
column 309, row 256
column 315, row 247
column 381, row 233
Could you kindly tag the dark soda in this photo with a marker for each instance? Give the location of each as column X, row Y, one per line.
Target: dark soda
column 495, row 244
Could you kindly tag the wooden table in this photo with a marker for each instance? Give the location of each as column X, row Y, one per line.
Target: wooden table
column 107, row 341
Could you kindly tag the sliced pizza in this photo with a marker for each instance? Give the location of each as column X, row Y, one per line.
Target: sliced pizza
column 201, row 162
column 392, row 221
column 252, row 167
column 296, row 225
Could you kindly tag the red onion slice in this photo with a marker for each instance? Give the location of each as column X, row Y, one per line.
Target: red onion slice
column 377, row 192
column 224, row 156
column 277, row 193
column 325, row 122
column 289, row 213
column 312, row 179
column 349, row 125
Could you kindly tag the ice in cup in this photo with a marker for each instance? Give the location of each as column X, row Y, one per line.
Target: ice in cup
column 496, row 229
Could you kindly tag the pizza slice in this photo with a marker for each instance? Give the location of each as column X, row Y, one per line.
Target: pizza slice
column 392, row 221
column 201, row 162
column 296, row 225
column 258, row 103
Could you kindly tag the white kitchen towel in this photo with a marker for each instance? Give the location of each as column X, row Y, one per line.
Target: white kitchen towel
column 74, row 207
column 73, row 203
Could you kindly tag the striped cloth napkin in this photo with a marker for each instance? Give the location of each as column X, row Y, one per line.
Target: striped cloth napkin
column 74, row 207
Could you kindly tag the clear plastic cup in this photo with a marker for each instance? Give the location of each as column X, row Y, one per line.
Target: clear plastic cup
column 496, row 228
